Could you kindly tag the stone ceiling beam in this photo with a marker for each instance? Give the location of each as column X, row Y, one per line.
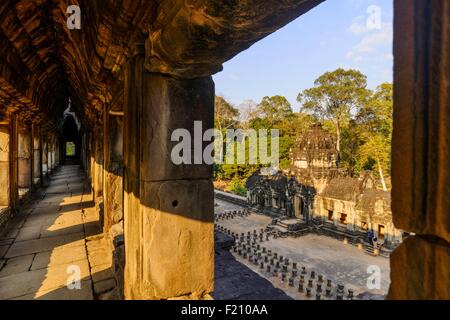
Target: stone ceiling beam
column 192, row 38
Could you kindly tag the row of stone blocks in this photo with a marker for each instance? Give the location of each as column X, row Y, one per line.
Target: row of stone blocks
column 229, row 215
column 275, row 265
column 250, row 237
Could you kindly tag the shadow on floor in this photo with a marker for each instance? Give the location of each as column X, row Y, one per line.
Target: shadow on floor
column 235, row 281
column 53, row 239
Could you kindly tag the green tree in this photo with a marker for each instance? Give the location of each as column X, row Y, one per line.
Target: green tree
column 225, row 114
column 274, row 109
column 375, row 128
column 336, row 96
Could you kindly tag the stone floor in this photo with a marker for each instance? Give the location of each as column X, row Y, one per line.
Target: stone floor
column 339, row 262
column 53, row 239
column 234, row 280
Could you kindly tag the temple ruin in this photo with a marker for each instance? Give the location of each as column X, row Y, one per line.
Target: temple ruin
column 316, row 194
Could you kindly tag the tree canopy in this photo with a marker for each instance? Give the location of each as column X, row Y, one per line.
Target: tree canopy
column 340, row 100
column 336, row 96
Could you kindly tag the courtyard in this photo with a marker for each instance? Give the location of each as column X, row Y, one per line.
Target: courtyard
column 341, row 263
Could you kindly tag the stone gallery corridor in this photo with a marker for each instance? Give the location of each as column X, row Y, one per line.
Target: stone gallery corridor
column 54, row 235
column 91, row 92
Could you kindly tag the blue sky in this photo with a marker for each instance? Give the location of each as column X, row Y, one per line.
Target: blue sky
column 334, row 34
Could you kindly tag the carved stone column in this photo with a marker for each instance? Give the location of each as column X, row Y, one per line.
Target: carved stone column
column 44, row 155
column 37, row 166
column 9, row 192
column 113, row 161
column 98, row 171
column 421, row 150
column 5, row 176
column 51, row 159
column 169, row 241
column 25, row 152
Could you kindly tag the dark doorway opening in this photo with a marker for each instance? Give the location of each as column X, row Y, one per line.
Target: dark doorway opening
column 71, row 141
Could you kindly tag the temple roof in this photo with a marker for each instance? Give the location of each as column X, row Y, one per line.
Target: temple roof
column 277, row 181
column 348, row 188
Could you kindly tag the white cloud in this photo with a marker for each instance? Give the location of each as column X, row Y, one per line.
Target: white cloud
column 358, row 26
column 371, row 42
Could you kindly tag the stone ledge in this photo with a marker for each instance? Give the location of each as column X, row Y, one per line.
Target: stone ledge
column 419, row 269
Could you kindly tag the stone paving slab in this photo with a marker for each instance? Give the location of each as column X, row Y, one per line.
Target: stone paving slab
column 16, row 222
column 68, row 219
column 99, row 257
column 41, row 220
column 59, row 230
column 3, row 250
column 101, row 272
column 17, row 265
column 104, row 285
column 59, row 256
column 84, row 293
column 6, row 242
column 20, row 284
column 57, row 188
column 45, row 244
column 45, row 204
column 53, row 232
column 10, row 233
column 29, row 233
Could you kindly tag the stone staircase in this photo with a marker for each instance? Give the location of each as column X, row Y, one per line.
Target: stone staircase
column 374, row 250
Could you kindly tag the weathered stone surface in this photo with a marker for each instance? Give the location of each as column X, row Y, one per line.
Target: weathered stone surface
column 101, row 272
column 421, row 143
column 52, row 278
column 45, row 244
column 193, row 40
column 104, row 285
column 192, row 98
column 164, row 201
column 4, row 165
column 16, row 265
column 29, row 233
column 419, row 269
column 3, row 250
column 113, row 159
column 63, row 293
column 6, row 242
column 59, row 256
column 10, row 233
column 179, row 212
column 24, row 157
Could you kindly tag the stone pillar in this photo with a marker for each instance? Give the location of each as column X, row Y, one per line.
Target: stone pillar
column 37, row 166
column 168, row 209
column 51, row 162
column 25, row 153
column 84, row 152
column 9, row 192
column 44, row 154
column 5, row 141
column 113, row 159
column 57, row 153
column 92, row 160
column 421, row 150
column 98, row 165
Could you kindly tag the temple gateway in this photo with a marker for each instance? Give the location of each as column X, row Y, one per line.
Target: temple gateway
column 315, row 194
